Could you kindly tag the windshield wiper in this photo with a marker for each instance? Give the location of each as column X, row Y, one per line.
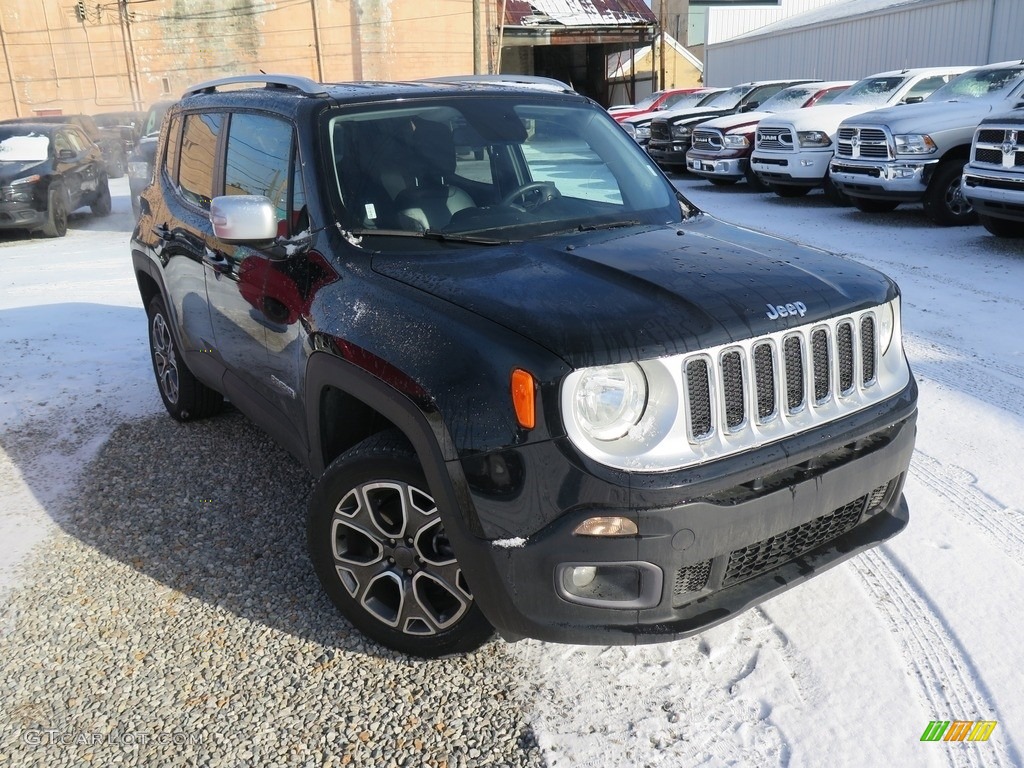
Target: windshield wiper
column 431, row 234
column 608, row 225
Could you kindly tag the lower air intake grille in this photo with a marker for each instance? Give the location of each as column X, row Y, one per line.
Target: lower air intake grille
column 692, row 578
column 750, row 561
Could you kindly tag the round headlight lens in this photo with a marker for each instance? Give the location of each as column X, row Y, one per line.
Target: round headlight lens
column 610, row 400
column 886, row 324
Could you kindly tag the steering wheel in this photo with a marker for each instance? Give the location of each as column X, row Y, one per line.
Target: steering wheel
column 532, row 195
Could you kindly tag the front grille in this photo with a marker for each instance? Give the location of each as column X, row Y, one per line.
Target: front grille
column 707, row 140
column 991, row 135
column 747, row 562
column 774, row 138
column 660, row 131
column 698, row 387
column 999, row 147
column 691, row 578
column 870, row 143
column 991, row 156
column 867, row 337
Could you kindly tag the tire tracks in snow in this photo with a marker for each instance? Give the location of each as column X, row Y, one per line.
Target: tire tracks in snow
column 948, row 683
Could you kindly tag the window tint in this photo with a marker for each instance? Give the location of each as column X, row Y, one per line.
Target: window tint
column 978, row 84
column 173, row 142
column 258, row 159
column 198, row 152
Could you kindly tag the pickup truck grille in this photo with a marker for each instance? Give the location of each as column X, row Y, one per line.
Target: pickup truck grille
column 775, row 138
column 999, row 147
column 863, row 143
column 709, row 141
column 748, row 385
column 660, row 131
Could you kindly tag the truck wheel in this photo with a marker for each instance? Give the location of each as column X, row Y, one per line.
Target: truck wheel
column 1002, row 227
column 185, row 397
column 789, row 190
column 723, row 182
column 835, row 195
column 380, row 550
column 872, row 205
column 101, row 205
column 755, row 182
column 943, row 202
column 56, row 213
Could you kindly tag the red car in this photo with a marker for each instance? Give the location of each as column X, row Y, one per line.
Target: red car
column 657, row 100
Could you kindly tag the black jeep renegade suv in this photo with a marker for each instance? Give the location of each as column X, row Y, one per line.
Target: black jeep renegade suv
column 542, row 392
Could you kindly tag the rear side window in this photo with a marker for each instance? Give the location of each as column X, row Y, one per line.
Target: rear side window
column 173, row 142
column 198, row 152
column 258, row 158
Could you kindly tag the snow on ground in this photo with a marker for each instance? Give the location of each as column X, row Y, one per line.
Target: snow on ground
column 846, row 670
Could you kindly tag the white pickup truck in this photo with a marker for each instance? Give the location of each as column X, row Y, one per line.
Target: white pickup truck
column 993, row 180
column 793, row 149
column 917, row 153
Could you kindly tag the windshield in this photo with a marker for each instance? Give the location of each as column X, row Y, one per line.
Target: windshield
column 790, row 98
column 978, row 84
column 648, row 102
column 497, row 167
column 871, row 90
column 730, row 98
column 21, row 148
column 684, row 100
column 831, row 96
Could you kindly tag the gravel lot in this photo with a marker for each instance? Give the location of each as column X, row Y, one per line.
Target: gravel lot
column 173, row 619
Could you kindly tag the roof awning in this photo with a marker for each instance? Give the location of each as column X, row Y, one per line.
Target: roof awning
column 567, row 22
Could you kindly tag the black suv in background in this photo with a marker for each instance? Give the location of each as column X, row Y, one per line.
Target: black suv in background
column 111, row 144
column 540, row 391
column 47, row 170
column 140, row 160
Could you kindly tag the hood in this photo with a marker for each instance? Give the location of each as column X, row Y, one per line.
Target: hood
column 12, row 171
column 930, row 116
column 694, row 114
column 727, row 123
column 824, row 118
column 643, row 292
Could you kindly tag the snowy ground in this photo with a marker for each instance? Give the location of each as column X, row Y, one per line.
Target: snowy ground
column 846, row 670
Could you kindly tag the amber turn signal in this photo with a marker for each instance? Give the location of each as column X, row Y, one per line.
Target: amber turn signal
column 606, row 526
column 523, row 398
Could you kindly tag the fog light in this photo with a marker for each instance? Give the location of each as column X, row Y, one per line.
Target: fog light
column 606, row 526
column 722, row 167
column 583, row 575
column 806, row 163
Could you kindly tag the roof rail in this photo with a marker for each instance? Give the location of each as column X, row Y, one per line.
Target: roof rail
column 289, row 82
column 526, row 81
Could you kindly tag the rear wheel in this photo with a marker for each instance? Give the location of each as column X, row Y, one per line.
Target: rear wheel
column 185, row 397
column 56, row 213
column 789, row 190
column 379, row 547
column 1002, row 227
column 943, row 201
column 872, row 205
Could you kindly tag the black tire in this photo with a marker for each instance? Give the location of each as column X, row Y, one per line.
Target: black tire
column 755, row 182
column 56, row 213
column 378, row 546
column 873, row 205
column 789, row 190
column 118, row 165
column 943, row 201
column 185, row 397
column 1002, row 227
column 101, row 205
column 722, row 182
column 835, row 195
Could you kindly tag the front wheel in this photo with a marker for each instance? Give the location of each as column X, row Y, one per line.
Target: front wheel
column 56, row 224
column 790, row 190
column 874, row 205
column 835, row 195
column 100, row 206
column 755, row 182
column 944, row 203
column 379, row 547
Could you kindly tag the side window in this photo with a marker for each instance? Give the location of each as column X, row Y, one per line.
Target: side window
column 198, row 152
column 173, row 143
column 78, row 140
column 60, row 142
column 299, row 218
column 552, row 147
column 924, row 87
column 258, row 159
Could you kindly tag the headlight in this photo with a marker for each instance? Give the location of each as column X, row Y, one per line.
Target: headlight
column 914, row 144
column 736, row 142
column 643, row 131
column 680, row 131
column 813, row 139
column 886, row 325
column 629, row 128
column 610, row 400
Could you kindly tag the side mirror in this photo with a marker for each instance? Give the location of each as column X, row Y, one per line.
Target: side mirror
column 243, row 218
column 66, row 154
column 750, row 106
column 913, row 99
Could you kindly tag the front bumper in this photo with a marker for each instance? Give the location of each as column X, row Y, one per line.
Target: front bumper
column 995, row 194
column 903, row 180
column 804, row 169
column 18, row 215
column 711, row 166
column 669, row 152
column 705, row 551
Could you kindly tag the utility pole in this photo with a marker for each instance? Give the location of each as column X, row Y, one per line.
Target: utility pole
column 661, row 45
column 477, row 63
column 129, row 53
column 316, row 42
column 10, row 72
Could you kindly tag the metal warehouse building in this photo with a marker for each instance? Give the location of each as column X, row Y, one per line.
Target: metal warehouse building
column 854, row 39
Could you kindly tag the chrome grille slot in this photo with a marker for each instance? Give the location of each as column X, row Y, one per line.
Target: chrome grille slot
column 794, row 373
column 844, row 349
column 732, row 389
column 867, row 349
column 698, row 390
column 991, row 135
column 764, row 381
column 820, row 364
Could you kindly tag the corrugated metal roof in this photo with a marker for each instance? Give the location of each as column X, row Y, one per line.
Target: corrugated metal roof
column 578, row 13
